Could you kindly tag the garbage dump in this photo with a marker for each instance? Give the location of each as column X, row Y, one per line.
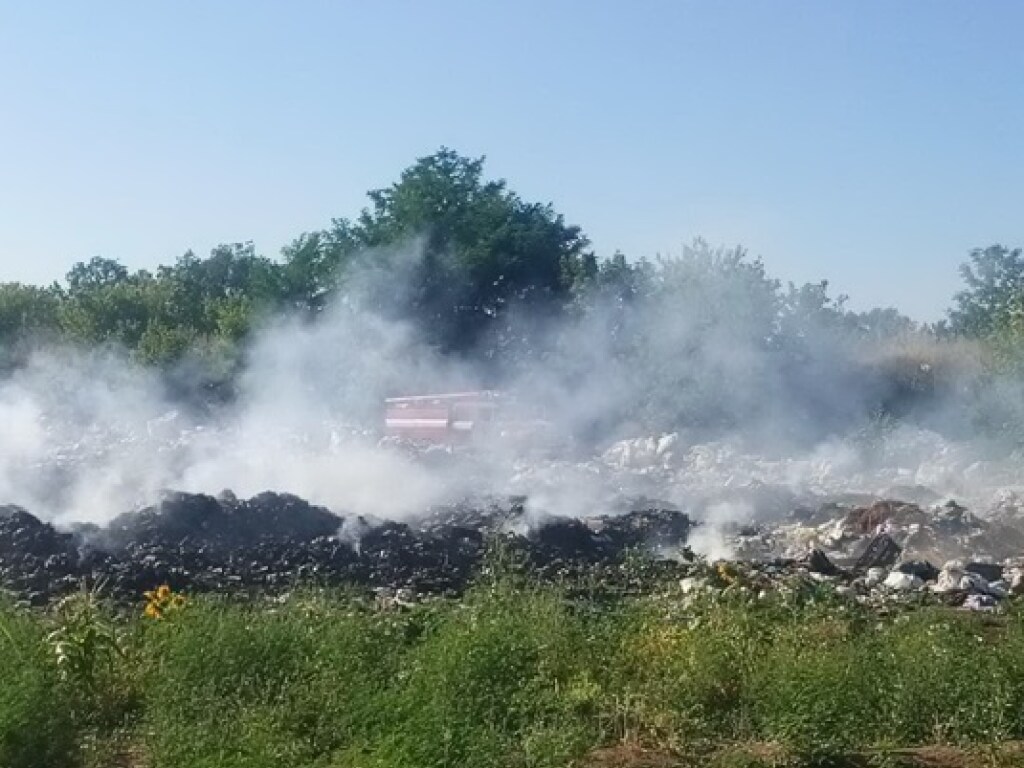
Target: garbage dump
column 277, row 541
column 913, row 515
column 884, row 552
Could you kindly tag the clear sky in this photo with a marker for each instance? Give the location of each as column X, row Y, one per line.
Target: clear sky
column 870, row 143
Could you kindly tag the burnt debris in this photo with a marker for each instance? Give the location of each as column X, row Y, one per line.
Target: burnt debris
column 877, row 553
column 273, row 542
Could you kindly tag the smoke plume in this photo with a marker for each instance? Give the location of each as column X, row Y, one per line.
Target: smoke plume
column 707, row 395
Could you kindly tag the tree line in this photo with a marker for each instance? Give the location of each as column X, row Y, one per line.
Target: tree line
column 485, row 260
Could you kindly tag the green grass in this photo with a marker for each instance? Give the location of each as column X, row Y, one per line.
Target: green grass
column 35, row 731
column 514, row 674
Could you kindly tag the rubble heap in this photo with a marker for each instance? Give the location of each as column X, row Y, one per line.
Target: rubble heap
column 938, row 534
column 270, row 542
column 880, row 552
column 892, row 551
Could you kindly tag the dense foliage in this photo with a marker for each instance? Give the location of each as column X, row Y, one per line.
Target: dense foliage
column 452, row 251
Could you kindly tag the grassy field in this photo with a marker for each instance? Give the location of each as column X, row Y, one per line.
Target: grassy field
column 512, row 674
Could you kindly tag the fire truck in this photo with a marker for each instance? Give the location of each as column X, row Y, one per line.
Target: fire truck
column 452, row 418
column 462, row 418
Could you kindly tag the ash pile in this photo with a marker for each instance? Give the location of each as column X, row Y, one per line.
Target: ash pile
column 274, row 542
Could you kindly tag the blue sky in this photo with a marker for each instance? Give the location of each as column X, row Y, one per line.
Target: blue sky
column 870, row 143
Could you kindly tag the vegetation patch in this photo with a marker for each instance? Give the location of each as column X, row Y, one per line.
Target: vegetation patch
column 515, row 673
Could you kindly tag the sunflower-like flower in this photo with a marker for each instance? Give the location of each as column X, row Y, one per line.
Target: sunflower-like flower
column 160, row 601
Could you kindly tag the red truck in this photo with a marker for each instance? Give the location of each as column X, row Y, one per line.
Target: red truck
column 462, row 418
column 451, row 418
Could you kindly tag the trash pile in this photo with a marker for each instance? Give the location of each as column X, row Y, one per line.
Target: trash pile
column 977, row 586
column 850, row 534
column 882, row 553
column 879, row 553
column 274, row 542
column 874, row 519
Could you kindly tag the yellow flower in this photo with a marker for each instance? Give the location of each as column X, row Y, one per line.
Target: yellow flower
column 159, row 600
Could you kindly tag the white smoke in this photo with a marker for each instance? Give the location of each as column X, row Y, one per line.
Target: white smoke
column 88, row 434
column 711, row 538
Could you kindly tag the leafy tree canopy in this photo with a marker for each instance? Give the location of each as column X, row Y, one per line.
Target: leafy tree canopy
column 994, row 291
column 481, row 249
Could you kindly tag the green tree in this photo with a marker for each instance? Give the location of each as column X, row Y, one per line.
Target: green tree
column 116, row 310
column 886, row 323
column 233, row 274
column 994, row 291
column 26, row 310
column 28, row 313
column 314, row 263
column 483, row 250
column 98, row 272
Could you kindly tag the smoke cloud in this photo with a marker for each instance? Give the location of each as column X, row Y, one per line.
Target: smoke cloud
column 696, row 397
